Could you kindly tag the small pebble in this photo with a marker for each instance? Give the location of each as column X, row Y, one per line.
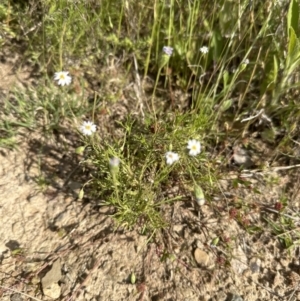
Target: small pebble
column 201, row 257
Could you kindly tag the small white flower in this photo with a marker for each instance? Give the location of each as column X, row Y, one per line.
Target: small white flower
column 246, row 61
column 194, row 146
column 168, row 50
column 63, row 78
column 204, row 49
column 171, row 157
column 88, row 128
column 114, row 162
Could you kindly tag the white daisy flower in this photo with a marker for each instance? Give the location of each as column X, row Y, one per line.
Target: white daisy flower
column 171, row 157
column 88, row 128
column 62, row 78
column 194, row 146
column 204, row 49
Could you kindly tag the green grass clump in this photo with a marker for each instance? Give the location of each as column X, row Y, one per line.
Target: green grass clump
column 138, row 186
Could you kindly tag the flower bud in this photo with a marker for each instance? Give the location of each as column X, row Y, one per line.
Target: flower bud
column 199, row 195
column 79, row 150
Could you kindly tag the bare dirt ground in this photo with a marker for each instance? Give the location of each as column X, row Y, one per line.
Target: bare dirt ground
column 56, row 247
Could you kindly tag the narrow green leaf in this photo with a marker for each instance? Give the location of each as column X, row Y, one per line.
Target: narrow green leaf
column 275, row 69
column 271, row 73
column 225, row 79
column 215, row 241
column 218, row 43
column 293, row 48
column 17, row 251
column 81, row 194
column 293, row 17
column 52, row 9
column 132, row 278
